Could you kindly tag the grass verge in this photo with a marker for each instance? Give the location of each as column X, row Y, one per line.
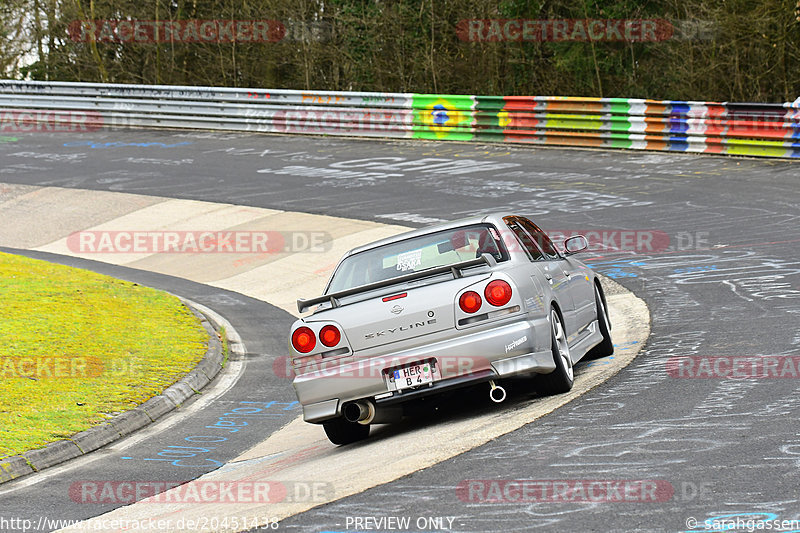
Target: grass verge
column 76, row 348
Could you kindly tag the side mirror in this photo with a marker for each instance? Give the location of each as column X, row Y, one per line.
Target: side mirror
column 575, row 244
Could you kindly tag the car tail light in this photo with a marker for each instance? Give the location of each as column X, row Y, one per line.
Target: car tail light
column 303, row 339
column 330, row 336
column 470, row 302
column 498, row 293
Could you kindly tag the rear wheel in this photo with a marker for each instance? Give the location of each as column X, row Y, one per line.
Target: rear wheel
column 340, row 431
column 561, row 379
column 606, row 346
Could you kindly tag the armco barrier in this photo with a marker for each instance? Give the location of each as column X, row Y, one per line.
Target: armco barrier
column 770, row 130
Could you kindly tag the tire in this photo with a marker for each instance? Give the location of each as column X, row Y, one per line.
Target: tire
column 606, row 346
column 341, row 432
column 561, row 379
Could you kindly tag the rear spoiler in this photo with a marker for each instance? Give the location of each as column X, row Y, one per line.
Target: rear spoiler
column 455, row 269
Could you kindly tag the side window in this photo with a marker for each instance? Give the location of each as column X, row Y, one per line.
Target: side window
column 541, row 239
column 533, row 252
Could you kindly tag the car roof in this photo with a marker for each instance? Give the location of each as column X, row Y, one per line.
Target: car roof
column 492, row 218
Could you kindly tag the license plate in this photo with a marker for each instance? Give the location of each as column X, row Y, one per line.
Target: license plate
column 413, row 376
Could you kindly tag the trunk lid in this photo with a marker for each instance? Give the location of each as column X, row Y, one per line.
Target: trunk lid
column 427, row 307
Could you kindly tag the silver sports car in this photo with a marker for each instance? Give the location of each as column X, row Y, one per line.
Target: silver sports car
column 447, row 306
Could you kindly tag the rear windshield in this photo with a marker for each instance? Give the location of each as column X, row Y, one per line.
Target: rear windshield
column 420, row 253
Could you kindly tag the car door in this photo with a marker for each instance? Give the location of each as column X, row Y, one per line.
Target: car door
column 582, row 291
column 580, row 285
column 548, row 272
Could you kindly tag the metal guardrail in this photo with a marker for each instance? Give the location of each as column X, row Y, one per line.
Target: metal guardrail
column 770, row 130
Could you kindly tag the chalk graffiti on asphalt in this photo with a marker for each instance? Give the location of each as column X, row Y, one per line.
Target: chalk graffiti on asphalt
column 235, row 420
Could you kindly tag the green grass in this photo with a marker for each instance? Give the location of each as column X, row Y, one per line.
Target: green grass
column 76, row 348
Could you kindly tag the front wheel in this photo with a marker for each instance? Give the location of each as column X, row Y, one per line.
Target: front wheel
column 341, row 431
column 606, row 346
column 561, row 379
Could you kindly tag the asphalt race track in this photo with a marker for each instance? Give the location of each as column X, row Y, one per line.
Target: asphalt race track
column 710, row 244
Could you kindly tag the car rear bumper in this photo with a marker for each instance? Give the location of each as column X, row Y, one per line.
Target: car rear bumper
column 506, row 350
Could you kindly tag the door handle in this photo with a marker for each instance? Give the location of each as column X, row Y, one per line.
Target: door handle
column 567, row 273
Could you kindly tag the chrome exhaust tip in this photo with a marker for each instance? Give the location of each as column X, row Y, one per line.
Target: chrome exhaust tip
column 358, row 411
column 365, row 412
column 496, row 392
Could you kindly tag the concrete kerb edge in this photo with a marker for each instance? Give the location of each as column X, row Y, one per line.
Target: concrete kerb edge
column 17, row 466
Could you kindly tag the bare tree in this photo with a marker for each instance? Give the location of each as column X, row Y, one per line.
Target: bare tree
column 732, row 50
